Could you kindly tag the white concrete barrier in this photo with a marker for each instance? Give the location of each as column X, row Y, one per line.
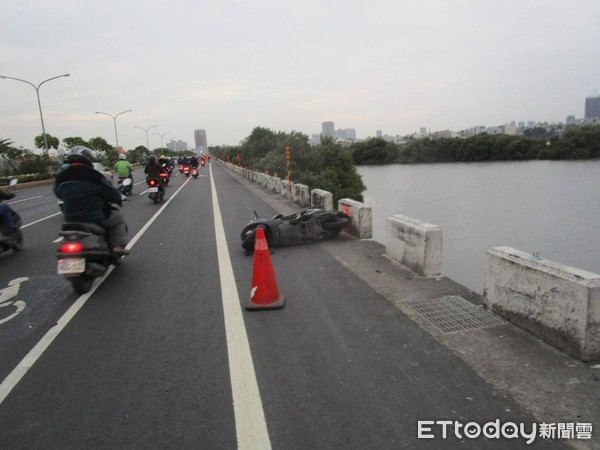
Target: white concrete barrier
column 286, row 190
column 301, row 194
column 415, row 244
column 557, row 303
column 321, row 199
column 361, row 225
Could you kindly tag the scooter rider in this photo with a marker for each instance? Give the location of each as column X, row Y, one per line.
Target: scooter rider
column 123, row 167
column 87, row 197
column 153, row 169
column 6, row 213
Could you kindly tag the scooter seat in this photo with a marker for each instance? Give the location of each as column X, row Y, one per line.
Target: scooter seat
column 84, row 226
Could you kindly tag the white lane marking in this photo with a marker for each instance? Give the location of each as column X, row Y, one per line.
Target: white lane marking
column 34, row 354
column 250, row 423
column 41, row 220
column 24, row 200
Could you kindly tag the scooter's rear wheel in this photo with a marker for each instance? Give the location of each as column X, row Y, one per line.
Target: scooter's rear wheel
column 18, row 241
column 338, row 224
column 82, row 284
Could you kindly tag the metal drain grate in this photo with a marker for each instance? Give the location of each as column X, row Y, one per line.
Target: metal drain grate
column 453, row 313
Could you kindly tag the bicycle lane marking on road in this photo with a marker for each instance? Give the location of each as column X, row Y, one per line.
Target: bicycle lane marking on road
column 250, row 422
column 9, row 292
column 15, row 376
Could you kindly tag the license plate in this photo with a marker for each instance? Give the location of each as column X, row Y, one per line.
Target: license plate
column 152, row 190
column 71, row 265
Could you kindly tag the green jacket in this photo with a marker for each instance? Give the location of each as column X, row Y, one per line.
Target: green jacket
column 123, row 168
column 85, row 193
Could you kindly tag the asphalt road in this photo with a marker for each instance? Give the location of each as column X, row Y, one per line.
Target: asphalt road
column 162, row 354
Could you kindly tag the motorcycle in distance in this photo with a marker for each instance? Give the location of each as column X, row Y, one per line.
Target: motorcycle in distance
column 164, row 176
column 186, row 170
column 166, row 173
column 195, row 172
column 125, row 185
column 84, row 254
column 156, row 189
column 12, row 241
column 302, row 227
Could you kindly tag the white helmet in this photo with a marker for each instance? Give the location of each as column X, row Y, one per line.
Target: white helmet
column 122, row 156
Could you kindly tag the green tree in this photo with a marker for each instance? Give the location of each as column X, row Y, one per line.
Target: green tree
column 71, row 142
column 336, row 172
column 374, row 151
column 10, row 154
column 99, row 144
column 53, row 142
column 137, row 155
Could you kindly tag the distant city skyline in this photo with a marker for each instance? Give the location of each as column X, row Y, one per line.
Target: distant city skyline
column 591, row 111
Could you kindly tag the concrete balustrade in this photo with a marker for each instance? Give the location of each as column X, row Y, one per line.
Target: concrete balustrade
column 361, row 225
column 557, row 303
column 286, row 190
column 321, row 199
column 415, row 244
column 301, row 195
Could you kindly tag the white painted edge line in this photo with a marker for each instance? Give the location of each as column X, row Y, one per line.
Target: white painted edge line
column 250, row 423
column 34, row 354
column 24, row 200
column 41, row 220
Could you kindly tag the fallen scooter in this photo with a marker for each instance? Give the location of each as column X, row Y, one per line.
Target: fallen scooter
column 305, row 226
column 12, row 240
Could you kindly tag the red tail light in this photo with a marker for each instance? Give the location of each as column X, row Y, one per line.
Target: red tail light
column 164, row 175
column 152, row 182
column 71, row 247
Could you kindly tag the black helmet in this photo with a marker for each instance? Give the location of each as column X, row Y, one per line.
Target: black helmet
column 152, row 159
column 81, row 155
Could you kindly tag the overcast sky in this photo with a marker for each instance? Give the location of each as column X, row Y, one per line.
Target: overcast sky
column 228, row 66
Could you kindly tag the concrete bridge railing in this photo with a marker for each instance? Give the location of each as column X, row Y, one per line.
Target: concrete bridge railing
column 557, row 303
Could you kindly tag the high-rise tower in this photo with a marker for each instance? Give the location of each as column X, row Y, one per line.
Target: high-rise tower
column 200, row 140
column 592, row 107
column 328, row 129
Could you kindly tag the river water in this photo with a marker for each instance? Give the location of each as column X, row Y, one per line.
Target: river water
column 546, row 207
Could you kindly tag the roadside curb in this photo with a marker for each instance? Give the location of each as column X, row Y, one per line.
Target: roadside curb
column 29, row 184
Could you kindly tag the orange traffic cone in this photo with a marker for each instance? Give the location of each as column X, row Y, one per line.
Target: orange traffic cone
column 264, row 294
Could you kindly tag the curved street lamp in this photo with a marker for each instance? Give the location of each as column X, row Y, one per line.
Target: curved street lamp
column 161, row 137
column 37, row 91
column 115, row 121
column 146, row 130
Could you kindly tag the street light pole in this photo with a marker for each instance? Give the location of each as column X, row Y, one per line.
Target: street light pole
column 37, row 91
column 115, row 121
column 161, row 137
column 146, row 130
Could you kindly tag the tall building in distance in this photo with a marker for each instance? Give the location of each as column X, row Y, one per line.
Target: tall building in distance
column 328, row 129
column 592, row 107
column 200, row 140
column 178, row 146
